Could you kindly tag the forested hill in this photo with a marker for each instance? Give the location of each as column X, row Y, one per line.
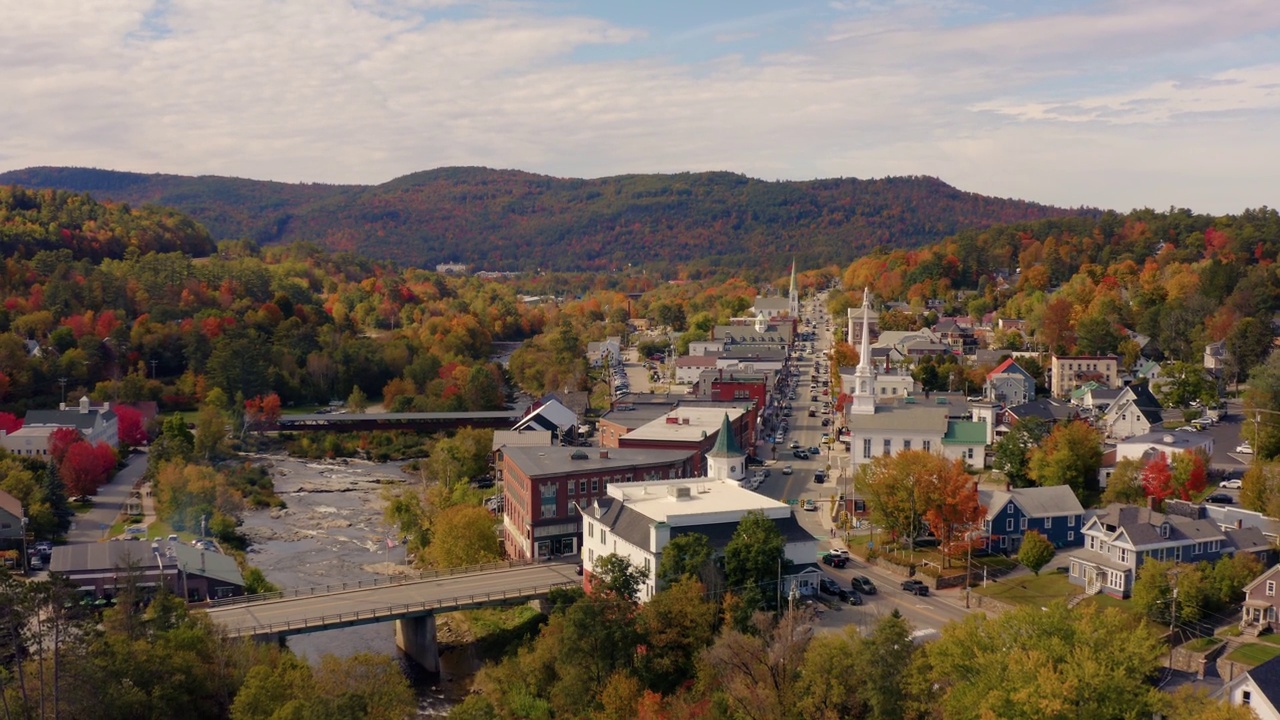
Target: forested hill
column 511, row 220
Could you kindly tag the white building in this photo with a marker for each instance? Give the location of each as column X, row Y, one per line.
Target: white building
column 637, row 520
column 29, row 441
column 888, row 428
column 96, row 424
column 1170, row 443
column 1258, row 689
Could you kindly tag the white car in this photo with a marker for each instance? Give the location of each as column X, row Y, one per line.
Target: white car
column 810, row 505
column 1244, row 448
column 1232, row 484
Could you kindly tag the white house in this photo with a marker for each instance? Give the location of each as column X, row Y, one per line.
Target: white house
column 607, row 351
column 1170, row 442
column 690, row 367
column 1258, row 689
column 706, row 347
column 637, row 520
column 1135, row 411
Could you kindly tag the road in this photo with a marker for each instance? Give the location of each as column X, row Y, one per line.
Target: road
column 926, row 614
column 92, row 526
column 239, row 617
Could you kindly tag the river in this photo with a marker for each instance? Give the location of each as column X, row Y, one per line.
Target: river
column 333, row 531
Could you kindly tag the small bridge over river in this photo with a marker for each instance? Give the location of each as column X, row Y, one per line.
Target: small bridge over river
column 410, row 601
column 422, row 422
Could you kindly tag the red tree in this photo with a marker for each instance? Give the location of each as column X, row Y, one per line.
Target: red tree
column 85, row 468
column 61, row 440
column 1157, row 479
column 129, row 430
column 9, row 422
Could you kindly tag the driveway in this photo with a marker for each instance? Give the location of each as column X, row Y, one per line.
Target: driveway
column 93, row 525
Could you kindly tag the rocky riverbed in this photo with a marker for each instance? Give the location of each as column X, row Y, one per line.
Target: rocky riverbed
column 332, row 531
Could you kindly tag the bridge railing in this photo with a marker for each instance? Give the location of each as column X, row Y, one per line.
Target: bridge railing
column 393, row 611
column 373, row 582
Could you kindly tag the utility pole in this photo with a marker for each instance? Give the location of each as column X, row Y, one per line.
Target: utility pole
column 153, row 369
column 792, row 597
column 63, row 382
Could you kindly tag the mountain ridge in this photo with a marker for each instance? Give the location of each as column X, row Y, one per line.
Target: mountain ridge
column 517, row 220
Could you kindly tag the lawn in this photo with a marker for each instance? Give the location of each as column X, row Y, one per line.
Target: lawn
column 81, row 508
column 1203, row 644
column 1031, row 589
column 1254, row 653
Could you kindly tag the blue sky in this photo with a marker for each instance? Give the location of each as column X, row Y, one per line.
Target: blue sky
column 1109, row 103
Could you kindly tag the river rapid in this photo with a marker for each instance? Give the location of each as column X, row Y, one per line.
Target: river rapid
column 332, row 531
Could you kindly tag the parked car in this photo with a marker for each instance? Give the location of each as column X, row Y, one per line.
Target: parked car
column 1220, row 499
column 834, row 561
column 810, row 505
column 753, row 461
column 915, row 587
column 827, row 586
column 1245, row 448
column 863, row 584
column 854, row 598
column 1232, row 484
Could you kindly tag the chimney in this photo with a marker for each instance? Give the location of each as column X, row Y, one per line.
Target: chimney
column 975, row 486
column 604, row 454
column 84, row 404
column 686, row 421
column 62, row 406
column 201, row 561
column 1239, row 523
column 1008, row 486
column 106, row 406
column 1152, row 502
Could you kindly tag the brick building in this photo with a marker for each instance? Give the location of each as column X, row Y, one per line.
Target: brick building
column 544, row 485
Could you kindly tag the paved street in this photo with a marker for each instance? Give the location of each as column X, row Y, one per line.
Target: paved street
column 92, row 526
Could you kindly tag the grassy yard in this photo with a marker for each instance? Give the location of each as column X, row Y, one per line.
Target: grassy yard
column 1031, row 590
column 1254, row 653
column 81, row 508
column 1203, row 644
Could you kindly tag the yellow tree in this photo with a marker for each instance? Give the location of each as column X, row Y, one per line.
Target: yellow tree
column 462, row 535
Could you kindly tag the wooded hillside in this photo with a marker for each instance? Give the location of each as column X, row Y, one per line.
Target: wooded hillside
column 511, row 220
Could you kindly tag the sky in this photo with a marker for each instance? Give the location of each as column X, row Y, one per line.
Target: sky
column 1110, row 103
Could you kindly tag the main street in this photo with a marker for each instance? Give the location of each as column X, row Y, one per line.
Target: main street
column 927, row 614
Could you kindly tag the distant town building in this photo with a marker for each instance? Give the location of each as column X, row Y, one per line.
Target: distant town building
column 96, row 424
column 1068, row 372
column 451, row 268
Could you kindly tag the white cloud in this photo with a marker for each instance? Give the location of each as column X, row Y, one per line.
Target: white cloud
column 1069, row 108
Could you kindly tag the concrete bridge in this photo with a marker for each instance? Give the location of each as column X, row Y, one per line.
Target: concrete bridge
column 410, row 601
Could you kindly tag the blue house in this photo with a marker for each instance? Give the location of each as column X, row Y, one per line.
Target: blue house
column 1054, row 512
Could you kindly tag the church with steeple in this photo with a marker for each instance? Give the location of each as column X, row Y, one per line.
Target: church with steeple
column 880, row 425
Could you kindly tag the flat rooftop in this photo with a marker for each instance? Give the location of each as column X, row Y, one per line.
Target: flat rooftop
column 541, row 461
column 685, row 424
column 663, row 501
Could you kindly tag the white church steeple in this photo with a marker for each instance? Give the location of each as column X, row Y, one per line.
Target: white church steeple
column 863, row 392
column 793, row 298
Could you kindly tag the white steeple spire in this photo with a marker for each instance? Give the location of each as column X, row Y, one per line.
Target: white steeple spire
column 864, row 378
column 794, row 296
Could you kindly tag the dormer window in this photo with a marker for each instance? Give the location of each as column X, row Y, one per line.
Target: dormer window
column 1164, row 530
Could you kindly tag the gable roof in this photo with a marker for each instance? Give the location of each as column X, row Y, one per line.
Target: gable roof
column 1141, row 525
column 1045, row 409
column 72, row 416
column 551, row 415
column 1267, row 677
column 1036, row 502
column 10, row 504
column 965, row 432
column 1268, row 574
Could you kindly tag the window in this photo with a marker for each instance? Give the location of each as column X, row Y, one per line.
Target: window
column 1070, row 536
column 1075, row 569
column 591, row 529
column 1271, row 588
column 1197, row 548
column 582, row 487
column 1071, row 521
column 1048, row 523
column 866, row 448
column 1009, row 508
column 906, row 444
column 888, row 446
column 591, row 555
column 604, row 537
column 1023, row 524
column 927, row 445
column 970, row 453
column 1008, row 524
column 571, row 487
column 1122, row 555
column 595, row 485
column 1246, row 697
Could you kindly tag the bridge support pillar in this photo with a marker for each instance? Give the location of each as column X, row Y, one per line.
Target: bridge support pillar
column 416, row 637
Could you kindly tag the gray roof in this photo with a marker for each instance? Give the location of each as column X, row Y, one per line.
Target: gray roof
column 1142, row 525
column 1045, row 409
column 753, row 352
column 82, row 558
column 1267, row 677
column 71, row 416
column 621, row 520
column 903, row 417
column 10, row 504
column 1035, row 502
column 1248, row 539
column 720, row 533
column 555, row 460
